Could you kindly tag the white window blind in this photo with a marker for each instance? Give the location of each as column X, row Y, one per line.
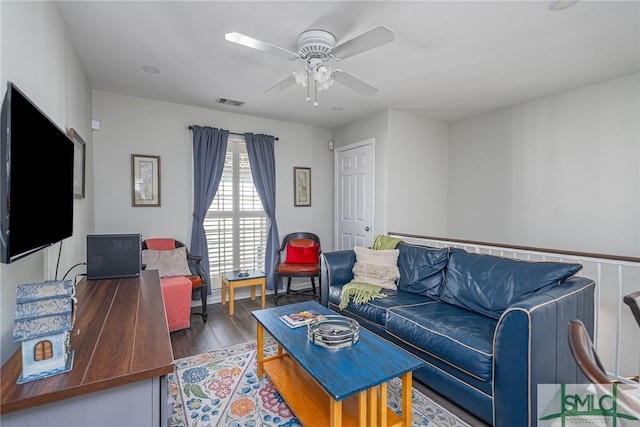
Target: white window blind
column 236, row 225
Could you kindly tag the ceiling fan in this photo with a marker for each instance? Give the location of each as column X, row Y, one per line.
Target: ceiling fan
column 316, row 48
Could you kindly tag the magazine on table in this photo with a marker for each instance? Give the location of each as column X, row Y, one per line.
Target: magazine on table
column 300, row 318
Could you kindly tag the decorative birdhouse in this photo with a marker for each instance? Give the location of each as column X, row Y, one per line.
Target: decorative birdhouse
column 43, row 321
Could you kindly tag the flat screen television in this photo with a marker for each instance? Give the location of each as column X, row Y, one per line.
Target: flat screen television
column 36, row 180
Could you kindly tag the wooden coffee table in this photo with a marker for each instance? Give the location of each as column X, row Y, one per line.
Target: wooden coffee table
column 334, row 387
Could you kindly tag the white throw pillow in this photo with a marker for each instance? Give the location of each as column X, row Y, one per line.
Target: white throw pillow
column 172, row 262
column 376, row 267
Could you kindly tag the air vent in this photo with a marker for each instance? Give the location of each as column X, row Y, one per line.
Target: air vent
column 230, row 102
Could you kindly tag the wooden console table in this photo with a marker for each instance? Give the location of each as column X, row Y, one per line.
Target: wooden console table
column 122, row 353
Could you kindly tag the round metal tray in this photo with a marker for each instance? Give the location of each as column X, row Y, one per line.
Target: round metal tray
column 333, row 331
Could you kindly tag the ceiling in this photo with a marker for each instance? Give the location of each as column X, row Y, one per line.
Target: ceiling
column 450, row 59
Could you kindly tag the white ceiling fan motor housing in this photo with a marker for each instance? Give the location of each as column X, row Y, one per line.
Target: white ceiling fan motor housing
column 315, row 44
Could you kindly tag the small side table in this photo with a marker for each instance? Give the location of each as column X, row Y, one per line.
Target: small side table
column 233, row 280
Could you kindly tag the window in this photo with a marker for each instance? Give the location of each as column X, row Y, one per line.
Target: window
column 43, row 351
column 236, row 225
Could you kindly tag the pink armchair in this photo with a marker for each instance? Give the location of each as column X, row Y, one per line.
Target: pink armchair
column 180, row 276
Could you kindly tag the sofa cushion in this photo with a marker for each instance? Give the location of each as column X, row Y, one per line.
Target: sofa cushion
column 376, row 267
column 457, row 337
column 421, row 269
column 489, row 284
column 375, row 310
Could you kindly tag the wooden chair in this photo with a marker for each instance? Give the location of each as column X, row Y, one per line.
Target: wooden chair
column 299, row 256
column 633, row 301
column 585, row 354
column 199, row 282
column 587, row 359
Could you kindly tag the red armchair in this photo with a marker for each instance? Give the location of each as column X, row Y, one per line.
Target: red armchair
column 299, row 256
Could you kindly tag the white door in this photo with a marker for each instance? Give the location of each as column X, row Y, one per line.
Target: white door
column 354, row 181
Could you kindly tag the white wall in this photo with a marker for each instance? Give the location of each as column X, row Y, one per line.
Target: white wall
column 559, row 172
column 39, row 58
column 417, row 158
column 411, row 170
column 130, row 125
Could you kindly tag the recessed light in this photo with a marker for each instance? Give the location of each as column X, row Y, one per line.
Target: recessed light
column 150, row 69
column 336, row 108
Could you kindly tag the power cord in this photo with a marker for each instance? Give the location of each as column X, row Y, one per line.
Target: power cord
column 80, row 263
column 69, row 270
column 75, row 279
column 58, row 261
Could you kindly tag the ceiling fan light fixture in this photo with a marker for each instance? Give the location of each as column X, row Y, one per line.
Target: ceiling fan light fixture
column 316, row 47
column 325, row 86
column 301, row 78
column 322, row 73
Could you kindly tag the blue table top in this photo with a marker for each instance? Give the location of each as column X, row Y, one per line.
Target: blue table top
column 342, row 372
column 235, row 275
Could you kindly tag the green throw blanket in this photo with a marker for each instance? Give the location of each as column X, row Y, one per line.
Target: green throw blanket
column 363, row 292
column 385, row 242
column 359, row 293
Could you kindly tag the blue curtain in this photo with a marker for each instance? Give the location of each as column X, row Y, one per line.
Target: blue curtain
column 209, row 151
column 260, row 149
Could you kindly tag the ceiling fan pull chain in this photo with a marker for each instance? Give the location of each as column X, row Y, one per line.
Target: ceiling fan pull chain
column 308, row 84
column 315, row 93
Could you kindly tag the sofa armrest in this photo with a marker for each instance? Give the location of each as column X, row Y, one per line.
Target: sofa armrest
column 531, row 347
column 336, row 269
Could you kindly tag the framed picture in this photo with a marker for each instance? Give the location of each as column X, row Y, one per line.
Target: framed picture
column 301, row 186
column 79, row 164
column 145, row 180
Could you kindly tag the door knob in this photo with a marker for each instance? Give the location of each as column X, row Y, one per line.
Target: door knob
column 366, row 228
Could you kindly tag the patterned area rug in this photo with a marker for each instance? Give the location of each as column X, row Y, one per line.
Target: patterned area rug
column 222, row 388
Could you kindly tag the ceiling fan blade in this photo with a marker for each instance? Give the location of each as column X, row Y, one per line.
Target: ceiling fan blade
column 354, row 83
column 289, row 81
column 260, row 45
column 366, row 41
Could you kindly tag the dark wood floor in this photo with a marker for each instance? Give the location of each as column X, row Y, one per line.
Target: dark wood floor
column 222, row 330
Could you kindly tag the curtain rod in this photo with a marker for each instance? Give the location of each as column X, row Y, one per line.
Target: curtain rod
column 239, row 134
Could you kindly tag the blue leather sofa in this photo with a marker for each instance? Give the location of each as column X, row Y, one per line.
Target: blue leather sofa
column 489, row 329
